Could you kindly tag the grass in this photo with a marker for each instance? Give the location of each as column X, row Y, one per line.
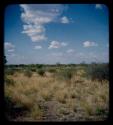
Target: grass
column 9, row 81
column 86, row 97
column 28, row 73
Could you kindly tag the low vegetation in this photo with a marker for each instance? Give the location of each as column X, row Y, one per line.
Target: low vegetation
column 57, row 92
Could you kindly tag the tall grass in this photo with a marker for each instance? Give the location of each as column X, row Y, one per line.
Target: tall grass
column 65, row 74
column 86, row 98
column 28, row 73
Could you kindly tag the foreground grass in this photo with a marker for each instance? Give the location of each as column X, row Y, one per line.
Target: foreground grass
column 74, row 99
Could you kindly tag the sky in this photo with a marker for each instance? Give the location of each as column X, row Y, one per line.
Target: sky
column 56, row 33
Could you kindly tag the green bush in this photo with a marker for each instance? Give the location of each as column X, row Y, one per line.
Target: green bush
column 28, row 73
column 52, row 70
column 100, row 111
column 65, row 74
column 98, row 71
column 41, row 72
column 33, row 69
column 39, row 66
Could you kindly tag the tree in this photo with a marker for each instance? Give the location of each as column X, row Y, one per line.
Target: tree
column 5, row 60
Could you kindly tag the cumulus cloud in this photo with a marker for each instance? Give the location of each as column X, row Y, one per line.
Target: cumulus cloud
column 70, row 50
column 98, row 6
column 56, row 44
column 35, row 16
column 9, row 45
column 11, row 50
column 63, row 44
column 38, row 47
column 64, row 19
column 89, row 44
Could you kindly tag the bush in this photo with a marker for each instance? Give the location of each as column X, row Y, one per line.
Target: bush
column 52, row 70
column 41, row 72
column 28, row 73
column 98, row 71
column 65, row 74
column 33, row 69
column 39, row 66
column 100, row 111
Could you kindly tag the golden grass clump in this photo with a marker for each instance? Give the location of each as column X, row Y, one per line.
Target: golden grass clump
column 90, row 96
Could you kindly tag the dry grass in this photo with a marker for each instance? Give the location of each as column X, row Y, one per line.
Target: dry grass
column 85, row 94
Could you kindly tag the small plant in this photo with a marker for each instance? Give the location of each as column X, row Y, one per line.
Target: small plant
column 41, row 72
column 28, row 73
column 63, row 111
column 47, row 96
column 61, row 97
column 36, row 112
column 100, row 111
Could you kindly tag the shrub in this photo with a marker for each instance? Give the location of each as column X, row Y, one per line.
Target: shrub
column 61, row 96
column 46, row 95
column 100, row 111
column 52, row 70
column 98, row 71
column 65, row 74
column 28, row 73
column 41, row 72
column 33, row 69
column 39, row 66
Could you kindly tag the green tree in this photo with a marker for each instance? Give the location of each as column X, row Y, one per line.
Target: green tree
column 5, row 60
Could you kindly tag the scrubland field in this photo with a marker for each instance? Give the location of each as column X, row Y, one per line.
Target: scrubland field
column 75, row 92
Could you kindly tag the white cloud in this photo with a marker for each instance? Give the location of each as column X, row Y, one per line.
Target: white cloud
column 64, row 19
column 35, row 16
column 63, row 44
column 38, row 47
column 98, row 6
column 56, row 44
column 11, row 50
column 70, row 50
column 89, row 44
column 9, row 45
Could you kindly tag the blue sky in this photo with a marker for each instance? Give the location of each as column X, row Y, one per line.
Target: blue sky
column 51, row 33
